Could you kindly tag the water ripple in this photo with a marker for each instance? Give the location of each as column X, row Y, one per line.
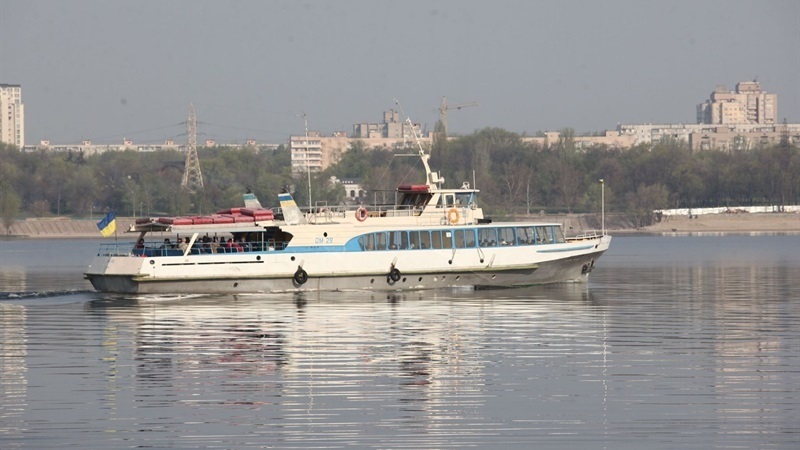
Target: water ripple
column 697, row 356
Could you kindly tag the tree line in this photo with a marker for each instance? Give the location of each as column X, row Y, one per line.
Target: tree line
column 514, row 176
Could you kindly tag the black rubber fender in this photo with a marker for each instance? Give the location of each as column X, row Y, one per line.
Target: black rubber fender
column 300, row 276
column 394, row 275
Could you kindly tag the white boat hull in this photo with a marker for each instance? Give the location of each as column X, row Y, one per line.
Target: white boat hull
column 257, row 272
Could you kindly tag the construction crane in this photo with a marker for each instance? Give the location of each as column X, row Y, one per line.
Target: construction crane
column 445, row 107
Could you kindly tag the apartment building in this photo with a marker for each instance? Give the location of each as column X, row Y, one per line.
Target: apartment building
column 726, row 137
column 391, row 127
column 316, row 152
column 12, row 115
column 748, row 104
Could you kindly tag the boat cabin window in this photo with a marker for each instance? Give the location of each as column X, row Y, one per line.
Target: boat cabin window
column 505, row 236
column 487, row 237
column 544, row 235
column 413, row 239
column 446, row 201
column 461, row 238
column 425, row 239
column 436, row 239
column 372, row 241
column 380, row 241
column 398, row 240
column 463, row 199
column 465, row 238
column 415, row 200
column 526, row 236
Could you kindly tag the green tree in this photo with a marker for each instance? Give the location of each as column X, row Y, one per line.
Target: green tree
column 645, row 200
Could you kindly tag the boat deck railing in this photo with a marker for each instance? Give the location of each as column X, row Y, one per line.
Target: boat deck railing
column 586, row 235
column 156, row 248
column 325, row 213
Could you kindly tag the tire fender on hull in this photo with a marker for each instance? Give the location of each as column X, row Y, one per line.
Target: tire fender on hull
column 300, row 276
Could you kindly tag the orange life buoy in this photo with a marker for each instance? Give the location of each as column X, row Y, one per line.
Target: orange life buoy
column 361, row 214
column 453, row 216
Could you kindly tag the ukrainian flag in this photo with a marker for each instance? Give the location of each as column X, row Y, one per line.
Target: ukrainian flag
column 108, row 225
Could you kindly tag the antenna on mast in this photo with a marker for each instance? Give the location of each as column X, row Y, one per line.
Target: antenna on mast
column 308, row 168
column 431, row 178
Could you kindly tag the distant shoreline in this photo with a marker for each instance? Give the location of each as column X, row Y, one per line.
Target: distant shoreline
column 55, row 228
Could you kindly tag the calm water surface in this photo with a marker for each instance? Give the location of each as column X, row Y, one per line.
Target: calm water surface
column 676, row 342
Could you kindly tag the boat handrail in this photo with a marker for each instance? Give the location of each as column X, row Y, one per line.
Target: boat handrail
column 328, row 213
column 586, row 235
column 156, row 248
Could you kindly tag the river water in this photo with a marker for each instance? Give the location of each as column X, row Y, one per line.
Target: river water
column 675, row 342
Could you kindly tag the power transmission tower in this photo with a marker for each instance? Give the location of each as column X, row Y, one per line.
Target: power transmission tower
column 192, row 177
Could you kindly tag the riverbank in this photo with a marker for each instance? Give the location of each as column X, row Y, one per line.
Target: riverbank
column 42, row 228
column 60, row 227
column 730, row 222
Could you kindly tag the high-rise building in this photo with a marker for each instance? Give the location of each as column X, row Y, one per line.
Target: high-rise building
column 12, row 115
column 748, row 104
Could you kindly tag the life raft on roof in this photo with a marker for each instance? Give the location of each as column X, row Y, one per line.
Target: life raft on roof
column 413, row 187
column 225, row 216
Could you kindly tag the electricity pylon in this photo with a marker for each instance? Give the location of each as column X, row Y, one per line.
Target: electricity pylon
column 192, row 177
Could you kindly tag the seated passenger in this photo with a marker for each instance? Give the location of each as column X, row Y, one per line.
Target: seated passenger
column 184, row 244
column 166, row 245
column 140, row 244
column 232, row 246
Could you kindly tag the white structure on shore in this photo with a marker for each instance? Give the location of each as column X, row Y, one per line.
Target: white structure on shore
column 729, row 210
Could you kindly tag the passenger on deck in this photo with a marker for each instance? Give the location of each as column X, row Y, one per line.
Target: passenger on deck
column 214, row 245
column 167, row 245
column 233, row 246
column 183, row 245
column 140, row 244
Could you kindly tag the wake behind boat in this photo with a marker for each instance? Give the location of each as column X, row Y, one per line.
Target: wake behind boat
column 431, row 237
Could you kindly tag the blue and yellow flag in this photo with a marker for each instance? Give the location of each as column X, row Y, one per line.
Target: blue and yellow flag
column 108, row 225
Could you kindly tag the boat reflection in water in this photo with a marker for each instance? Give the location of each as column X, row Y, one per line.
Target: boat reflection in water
column 358, row 348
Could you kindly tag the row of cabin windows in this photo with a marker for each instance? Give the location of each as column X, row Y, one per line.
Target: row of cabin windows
column 470, row 238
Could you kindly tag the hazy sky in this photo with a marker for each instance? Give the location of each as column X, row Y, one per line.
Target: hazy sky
column 104, row 70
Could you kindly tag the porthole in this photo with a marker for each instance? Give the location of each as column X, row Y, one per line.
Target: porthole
column 404, row 279
column 152, row 262
column 258, row 258
column 292, row 258
column 458, row 277
column 235, row 284
column 372, row 281
column 420, row 279
column 325, row 234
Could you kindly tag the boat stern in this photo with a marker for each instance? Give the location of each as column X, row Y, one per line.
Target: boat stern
column 115, row 273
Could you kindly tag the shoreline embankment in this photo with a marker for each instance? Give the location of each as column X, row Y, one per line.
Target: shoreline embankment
column 62, row 227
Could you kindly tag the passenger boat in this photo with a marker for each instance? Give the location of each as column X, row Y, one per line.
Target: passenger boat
column 430, row 237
